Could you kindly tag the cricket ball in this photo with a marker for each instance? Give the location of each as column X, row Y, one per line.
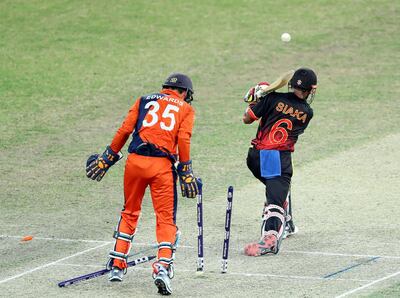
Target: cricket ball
column 285, row 37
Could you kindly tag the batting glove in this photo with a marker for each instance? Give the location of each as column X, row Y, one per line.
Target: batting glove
column 97, row 166
column 255, row 93
column 187, row 180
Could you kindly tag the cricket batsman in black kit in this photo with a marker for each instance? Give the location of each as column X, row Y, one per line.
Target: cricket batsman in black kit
column 283, row 117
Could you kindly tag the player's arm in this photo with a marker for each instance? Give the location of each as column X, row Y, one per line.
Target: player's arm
column 187, row 180
column 257, row 103
column 126, row 128
column 98, row 165
column 256, row 110
column 184, row 135
column 248, row 116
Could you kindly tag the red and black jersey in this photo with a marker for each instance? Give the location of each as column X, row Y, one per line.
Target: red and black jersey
column 284, row 117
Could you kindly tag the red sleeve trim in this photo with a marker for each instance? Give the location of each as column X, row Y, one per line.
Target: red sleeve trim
column 251, row 114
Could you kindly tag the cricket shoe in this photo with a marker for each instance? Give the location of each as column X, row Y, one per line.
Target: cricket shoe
column 162, row 279
column 268, row 244
column 290, row 229
column 116, row 274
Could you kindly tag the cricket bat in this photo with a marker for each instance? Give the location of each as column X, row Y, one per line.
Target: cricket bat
column 277, row 84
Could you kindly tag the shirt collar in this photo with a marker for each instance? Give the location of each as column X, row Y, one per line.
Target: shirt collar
column 170, row 92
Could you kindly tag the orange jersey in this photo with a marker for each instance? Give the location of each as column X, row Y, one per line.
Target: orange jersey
column 162, row 119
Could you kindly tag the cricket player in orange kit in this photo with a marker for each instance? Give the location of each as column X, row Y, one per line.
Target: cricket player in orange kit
column 161, row 127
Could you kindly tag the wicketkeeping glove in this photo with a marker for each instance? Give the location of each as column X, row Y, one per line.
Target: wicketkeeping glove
column 97, row 166
column 254, row 94
column 187, row 180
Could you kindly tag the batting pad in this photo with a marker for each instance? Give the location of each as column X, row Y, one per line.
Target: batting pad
column 270, row 163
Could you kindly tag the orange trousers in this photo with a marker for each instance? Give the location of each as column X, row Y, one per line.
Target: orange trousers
column 141, row 172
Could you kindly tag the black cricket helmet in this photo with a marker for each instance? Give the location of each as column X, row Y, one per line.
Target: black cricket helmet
column 179, row 80
column 304, row 79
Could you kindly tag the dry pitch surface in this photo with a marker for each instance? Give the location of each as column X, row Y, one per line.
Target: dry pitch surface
column 345, row 207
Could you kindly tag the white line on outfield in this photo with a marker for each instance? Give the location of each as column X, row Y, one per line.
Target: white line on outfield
column 293, row 276
column 58, row 239
column 338, row 254
column 189, row 246
column 52, row 263
column 367, row 285
column 233, row 273
column 83, row 240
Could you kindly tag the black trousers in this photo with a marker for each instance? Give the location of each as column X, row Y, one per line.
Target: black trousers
column 277, row 188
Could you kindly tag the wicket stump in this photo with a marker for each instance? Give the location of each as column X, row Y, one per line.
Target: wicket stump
column 228, row 216
column 102, row 272
column 200, row 246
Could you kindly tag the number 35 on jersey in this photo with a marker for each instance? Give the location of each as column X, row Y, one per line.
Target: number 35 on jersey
column 166, row 121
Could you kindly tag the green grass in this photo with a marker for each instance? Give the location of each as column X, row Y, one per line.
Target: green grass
column 70, row 70
column 392, row 291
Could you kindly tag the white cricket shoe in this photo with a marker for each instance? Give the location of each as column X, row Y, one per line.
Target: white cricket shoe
column 162, row 279
column 116, row 274
column 290, row 229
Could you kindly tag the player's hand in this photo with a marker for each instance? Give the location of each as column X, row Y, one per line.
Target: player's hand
column 97, row 166
column 187, row 181
column 255, row 93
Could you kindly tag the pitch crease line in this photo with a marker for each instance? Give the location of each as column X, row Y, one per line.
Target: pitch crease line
column 295, row 276
column 338, row 254
column 231, row 273
column 368, row 285
column 192, row 247
column 52, row 263
column 58, row 239
column 85, row 240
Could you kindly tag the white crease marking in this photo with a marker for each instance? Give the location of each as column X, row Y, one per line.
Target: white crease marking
column 368, row 285
column 233, row 273
column 50, row 264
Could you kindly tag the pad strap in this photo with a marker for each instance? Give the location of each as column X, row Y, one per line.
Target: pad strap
column 163, row 260
column 118, row 255
column 270, row 232
column 274, row 211
column 166, row 261
column 269, row 212
column 166, row 245
column 123, row 236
